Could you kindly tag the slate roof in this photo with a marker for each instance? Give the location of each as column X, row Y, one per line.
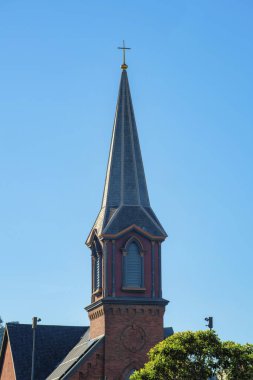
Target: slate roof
column 59, row 349
column 78, row 353
column 125, row 199
column 52, row 344
column 168, row 331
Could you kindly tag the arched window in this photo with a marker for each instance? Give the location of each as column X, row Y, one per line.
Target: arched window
column 129, row 374
column 133, row 266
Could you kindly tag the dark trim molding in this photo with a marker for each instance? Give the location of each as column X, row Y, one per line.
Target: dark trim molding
column 105, row 269
column 160, row 269
column 127, row 301
column 113, row 268
column 153, row 268
column 133, row 290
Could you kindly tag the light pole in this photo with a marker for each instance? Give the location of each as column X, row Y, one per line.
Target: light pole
column 35, row 321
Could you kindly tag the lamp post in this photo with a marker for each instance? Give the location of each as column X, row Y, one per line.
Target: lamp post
column 209, row 322
column 35, row 321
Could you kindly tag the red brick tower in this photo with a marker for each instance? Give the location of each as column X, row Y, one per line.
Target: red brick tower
column 126, row 303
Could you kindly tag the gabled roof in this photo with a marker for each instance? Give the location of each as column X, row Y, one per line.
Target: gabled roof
column 79, row 352
column 125, row 192
column 52, row 345
column 59, row 349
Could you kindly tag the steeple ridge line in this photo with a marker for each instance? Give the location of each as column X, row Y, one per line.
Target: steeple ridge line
column 133, row 146
column 153, row 220
column 122, row 140
column 108, row 169
column 111, row 219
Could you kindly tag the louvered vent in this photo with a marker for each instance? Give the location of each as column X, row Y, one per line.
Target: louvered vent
column 133, row 267
column 98, row 272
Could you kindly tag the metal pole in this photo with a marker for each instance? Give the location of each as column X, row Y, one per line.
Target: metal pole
column 35, row 321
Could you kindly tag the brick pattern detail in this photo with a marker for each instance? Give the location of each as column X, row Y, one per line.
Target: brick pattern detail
column 92, row 368
column 7, row 372
column 97, row 322
column 130, row 331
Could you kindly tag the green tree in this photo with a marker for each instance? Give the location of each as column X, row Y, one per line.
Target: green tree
column 197, row 356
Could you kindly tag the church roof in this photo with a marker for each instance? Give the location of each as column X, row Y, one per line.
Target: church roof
column 168, row 331
column 125, row 198
column 79, row 352
column 52, row 344
column 59, row 349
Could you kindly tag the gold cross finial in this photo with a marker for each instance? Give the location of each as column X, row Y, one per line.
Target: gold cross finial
column 123, row 48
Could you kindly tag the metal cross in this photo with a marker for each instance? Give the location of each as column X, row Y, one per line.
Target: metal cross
column 124, row 51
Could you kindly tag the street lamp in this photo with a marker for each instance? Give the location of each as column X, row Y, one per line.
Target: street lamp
column 209, row 322
column 35, row 321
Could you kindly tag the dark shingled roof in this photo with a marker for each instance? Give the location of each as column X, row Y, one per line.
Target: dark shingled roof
column 168, row 331
column 59, row 349
column 76, row 355
column 52, row 345
column 83, row 348
column 125, row 199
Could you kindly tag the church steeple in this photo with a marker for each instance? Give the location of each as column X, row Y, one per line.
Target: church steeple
column 127, row 306
column 125, row 199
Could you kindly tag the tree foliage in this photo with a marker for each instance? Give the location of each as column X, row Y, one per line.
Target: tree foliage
column 197, row 356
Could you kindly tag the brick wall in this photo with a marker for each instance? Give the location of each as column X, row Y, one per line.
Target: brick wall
column 130, row 331
column 92, row 367
column 7, row 372
column 97, row 322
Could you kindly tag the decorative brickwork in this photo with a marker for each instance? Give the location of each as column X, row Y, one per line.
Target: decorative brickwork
column 130, row 331
column 97, row 322
column 92, row 368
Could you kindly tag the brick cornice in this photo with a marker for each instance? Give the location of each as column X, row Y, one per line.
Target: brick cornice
column 127, row 301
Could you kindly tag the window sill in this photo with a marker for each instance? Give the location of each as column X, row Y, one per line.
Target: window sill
column 97, row 292
column 133, row 289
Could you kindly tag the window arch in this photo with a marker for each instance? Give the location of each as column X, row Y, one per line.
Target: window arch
column 133, row 276
column 129, row 374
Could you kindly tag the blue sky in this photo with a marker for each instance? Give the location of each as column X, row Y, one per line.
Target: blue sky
column 190, row 72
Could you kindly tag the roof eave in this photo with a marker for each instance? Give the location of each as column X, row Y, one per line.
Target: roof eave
column 79, row 362
column 131, row 228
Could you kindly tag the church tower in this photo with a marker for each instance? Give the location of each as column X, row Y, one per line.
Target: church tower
column 126, row 307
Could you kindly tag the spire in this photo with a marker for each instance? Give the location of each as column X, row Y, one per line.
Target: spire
column 125, row 198
column 125, row 179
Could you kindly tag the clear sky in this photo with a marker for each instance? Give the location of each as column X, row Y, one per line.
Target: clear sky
column 190, row 72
